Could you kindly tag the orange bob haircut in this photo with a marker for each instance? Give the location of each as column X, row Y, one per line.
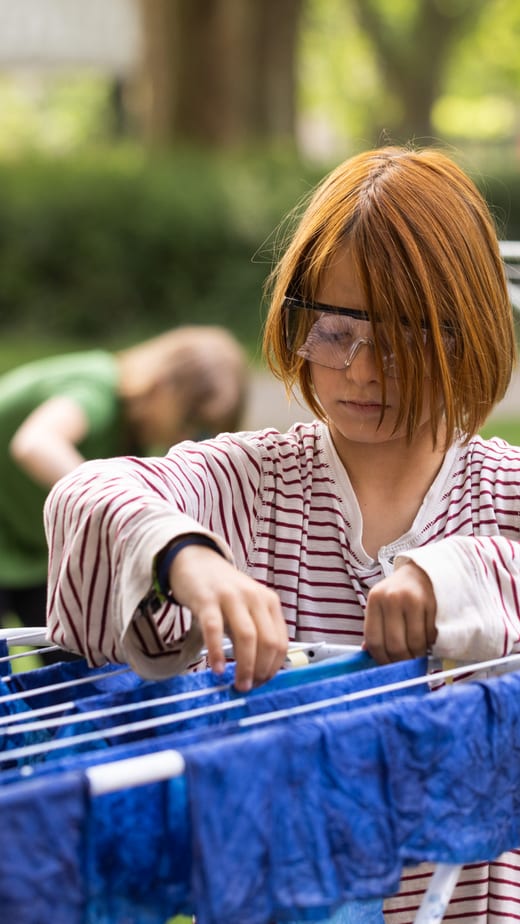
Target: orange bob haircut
column 426, row 250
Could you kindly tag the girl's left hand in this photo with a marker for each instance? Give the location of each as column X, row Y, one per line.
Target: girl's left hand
column 400, row 616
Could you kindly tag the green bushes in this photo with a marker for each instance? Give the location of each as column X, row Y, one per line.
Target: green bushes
column 503, row 195
column 121, row 247
column 112, row 248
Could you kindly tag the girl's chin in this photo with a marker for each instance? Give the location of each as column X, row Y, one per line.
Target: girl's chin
column 362, row 427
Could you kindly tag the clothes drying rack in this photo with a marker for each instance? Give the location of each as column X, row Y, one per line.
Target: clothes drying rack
column 75, row 738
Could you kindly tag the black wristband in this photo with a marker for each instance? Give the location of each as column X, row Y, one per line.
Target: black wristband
column 166, row 559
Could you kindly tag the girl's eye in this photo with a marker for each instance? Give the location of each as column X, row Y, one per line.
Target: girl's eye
column 336, row 337
column 334, row 329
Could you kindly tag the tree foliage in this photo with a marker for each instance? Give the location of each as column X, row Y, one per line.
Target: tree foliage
column 404, row 69
column 328, row 75
column 412, row 43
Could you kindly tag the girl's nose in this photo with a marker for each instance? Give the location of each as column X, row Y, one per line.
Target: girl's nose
column 360, row 364
column 356, row 346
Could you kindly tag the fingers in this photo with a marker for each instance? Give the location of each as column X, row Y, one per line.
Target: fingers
column 259, row 635
column 257, row 630
column 400, row 616
column 212, row 628
column 224, row 600
column 395, row 631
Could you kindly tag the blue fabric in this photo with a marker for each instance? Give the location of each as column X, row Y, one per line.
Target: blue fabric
column 362, row 912
column 141, row 846
column 138, row 861
column 15, row 708
column 41, row 851
column 276, row 695
column 37, row 684
column 102, row 680
column 263, row 700
column 139, row 853
column 4, row 652
column 309, row 818
column 318, row 811
column 322, row 670
column 10, row 706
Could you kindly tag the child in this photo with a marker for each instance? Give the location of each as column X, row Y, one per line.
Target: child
column 386, row 522
column 59, row 411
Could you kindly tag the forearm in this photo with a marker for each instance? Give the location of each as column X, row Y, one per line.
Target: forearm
column 45, row 446
column 104, row 529
column 46, row 464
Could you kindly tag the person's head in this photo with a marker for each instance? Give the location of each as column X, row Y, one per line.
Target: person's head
column 188, row 383
column 425, row 253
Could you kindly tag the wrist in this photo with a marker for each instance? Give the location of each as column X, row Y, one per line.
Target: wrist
column 166, row 557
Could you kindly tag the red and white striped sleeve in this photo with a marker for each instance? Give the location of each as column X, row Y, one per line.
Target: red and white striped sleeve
column 106, row 522
column 476, row 580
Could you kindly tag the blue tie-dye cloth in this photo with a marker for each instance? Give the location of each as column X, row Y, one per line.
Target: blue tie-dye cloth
column 307, row 819
column 292, row 821
column 285, row 691
column 137, row 847
column 362, row 912
column 42, row 838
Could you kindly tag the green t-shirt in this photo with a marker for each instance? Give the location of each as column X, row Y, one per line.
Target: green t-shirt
column 88, row 378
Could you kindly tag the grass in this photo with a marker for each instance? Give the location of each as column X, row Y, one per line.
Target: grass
column 508, row 428
column 29, row 661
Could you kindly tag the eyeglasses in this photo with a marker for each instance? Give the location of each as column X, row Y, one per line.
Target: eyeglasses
column 336, row 335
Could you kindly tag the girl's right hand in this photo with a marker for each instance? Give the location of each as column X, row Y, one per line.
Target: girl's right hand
column 400, row 615
column 226, row 601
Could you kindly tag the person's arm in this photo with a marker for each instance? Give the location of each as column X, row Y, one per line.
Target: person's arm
column 224, row 600
column 107, row 524
column 459, row 597
column 45, row 445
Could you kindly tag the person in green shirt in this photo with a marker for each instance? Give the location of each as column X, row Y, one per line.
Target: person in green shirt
column 56, row 412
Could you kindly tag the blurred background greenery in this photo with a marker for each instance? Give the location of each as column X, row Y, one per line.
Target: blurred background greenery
column 149, row 149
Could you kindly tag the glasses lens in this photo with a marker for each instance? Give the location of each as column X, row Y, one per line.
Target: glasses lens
column 332, row 340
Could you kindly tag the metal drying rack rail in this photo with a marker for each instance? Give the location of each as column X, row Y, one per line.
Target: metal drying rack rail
column 160, row 765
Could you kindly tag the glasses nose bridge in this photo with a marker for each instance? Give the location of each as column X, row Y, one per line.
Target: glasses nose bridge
column 355, row 347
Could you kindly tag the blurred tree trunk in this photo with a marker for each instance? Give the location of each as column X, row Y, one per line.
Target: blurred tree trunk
column 217, row 72
column 412, row 55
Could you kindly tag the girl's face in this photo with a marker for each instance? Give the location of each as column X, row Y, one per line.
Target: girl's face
column 352, row 396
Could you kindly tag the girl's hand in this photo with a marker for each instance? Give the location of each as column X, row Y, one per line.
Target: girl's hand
column 400, row 616
column 224, row 600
